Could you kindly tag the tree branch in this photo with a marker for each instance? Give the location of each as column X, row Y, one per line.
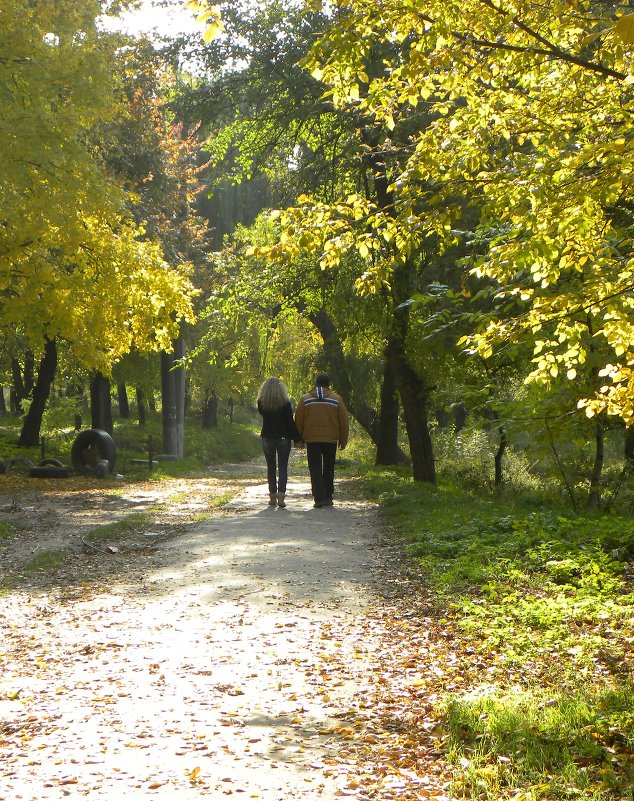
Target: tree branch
column 547, row 49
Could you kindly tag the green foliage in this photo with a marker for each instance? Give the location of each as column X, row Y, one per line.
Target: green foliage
column 359, row 449
column 467, row 457
column 491, row 107
column 74, row 266
column 545, row 601
column 558, row 746
column 45, row 561
column 229, row 442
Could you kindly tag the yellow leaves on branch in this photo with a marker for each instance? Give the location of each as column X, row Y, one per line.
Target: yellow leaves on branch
column 114, row 294
column 614, row 398
column 209, row 17
column 624, row 29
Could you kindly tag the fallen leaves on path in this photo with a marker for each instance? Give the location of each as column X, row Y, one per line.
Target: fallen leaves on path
column 133, row 690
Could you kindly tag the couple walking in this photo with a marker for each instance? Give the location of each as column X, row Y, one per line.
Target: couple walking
column 321, row 421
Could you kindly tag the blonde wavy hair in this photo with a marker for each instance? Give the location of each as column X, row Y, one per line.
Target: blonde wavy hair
column 273, row 394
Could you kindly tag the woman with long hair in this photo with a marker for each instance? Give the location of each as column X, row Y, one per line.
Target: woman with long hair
column 278, row 431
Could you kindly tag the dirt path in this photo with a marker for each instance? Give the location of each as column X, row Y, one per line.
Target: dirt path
column 239, row 657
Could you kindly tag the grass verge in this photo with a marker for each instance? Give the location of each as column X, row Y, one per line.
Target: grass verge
column 45, row 561
column 542, row 605
column 119, row 529
column 227, row 443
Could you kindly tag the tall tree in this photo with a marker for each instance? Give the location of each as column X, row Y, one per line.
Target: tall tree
column 271, row 118
column 73, row 266
column 530, row 108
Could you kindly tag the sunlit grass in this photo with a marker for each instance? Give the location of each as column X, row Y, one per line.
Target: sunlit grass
column 227, row 443
column 504, row 742
column 120, row 529
column 543, row 601
column 45, row 561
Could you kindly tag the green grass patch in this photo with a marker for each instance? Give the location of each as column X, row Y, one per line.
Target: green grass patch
column 45, row 561
column 539, row 599
column 542, row 745
column 120, row 529
column 222, row 499
column 6, row 529
column 214, row 503
column 227, row 443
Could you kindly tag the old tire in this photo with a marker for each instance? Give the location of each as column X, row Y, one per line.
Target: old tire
column 90, row 447
column 49, row 471
column 51, row 462
column 19, row 464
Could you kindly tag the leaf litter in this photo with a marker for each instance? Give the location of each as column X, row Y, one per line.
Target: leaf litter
column 267, row 655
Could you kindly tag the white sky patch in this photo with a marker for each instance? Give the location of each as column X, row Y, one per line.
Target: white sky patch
column 167, row 19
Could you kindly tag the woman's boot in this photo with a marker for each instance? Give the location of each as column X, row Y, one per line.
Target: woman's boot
column 272, row 498
column 280, row 499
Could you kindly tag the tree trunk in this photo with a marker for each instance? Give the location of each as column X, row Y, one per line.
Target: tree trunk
column 19, row 389
column 30, row 434
column 460, row 416
column 499, row 456
column 443, row 417
column 210, row 410
column 594, row 498
column 124, row 406
column 368, row 419
column 100, row 403
column 629, row 447
column 414, row 399
column 76, row 393
column 412, row 390
column 140, row 405
column 3, row 403
column 173, row 400
column 29, row 372
column 388, row 451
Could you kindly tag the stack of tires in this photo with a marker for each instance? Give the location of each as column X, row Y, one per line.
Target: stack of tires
column 94, row 451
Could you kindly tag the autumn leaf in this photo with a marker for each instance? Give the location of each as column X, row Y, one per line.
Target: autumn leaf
column 624, row 28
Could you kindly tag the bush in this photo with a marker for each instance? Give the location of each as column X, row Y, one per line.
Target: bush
column 468, row 458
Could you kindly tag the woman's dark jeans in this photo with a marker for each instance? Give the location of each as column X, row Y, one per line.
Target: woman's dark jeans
column 276, row 453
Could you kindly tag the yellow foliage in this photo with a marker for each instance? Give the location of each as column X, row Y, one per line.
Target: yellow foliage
column 72, row 263
column 530, row 122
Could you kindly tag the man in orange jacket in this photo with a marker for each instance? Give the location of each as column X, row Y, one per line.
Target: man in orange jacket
column 322, row 420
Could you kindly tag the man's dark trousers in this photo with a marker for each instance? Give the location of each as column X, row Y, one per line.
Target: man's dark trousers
column 321, row 465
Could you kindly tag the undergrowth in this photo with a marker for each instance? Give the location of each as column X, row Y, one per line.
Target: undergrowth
column 227, row 443
column 544, row 601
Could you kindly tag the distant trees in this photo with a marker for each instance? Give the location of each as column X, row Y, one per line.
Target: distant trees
column 454, row 219
column 502, row 132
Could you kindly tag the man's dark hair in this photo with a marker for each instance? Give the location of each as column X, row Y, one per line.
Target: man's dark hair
column 322, row 380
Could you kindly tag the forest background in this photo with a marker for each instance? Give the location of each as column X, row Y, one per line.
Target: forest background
column 432, row 202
